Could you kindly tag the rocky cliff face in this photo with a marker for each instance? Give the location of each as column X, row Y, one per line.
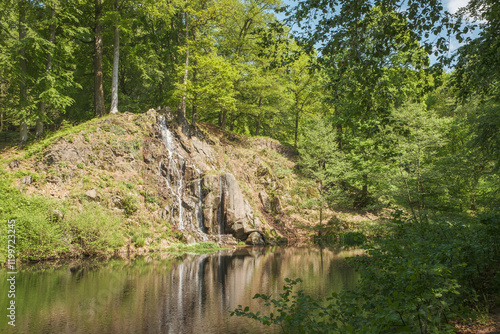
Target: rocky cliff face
column 204, row 200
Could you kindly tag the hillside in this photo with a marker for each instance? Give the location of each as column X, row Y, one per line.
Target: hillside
column 138, row 183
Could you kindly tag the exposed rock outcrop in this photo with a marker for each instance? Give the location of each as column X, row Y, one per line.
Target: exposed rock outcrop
column 205, row 201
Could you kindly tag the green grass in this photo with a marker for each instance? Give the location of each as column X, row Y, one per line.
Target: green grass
column 40, row 145
column 41, row 233
column 200, row 247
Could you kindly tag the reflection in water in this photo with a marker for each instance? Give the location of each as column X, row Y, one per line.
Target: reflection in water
column 183, row 294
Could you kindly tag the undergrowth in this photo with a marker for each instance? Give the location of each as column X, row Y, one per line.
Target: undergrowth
column 421, row 278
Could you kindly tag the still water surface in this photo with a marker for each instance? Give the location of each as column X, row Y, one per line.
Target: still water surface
column 168, row 294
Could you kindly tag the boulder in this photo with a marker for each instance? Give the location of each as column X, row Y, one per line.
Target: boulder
column 276, row 204
column 92, row 194
column 266, row 202
column 14, row 164
column 255, row 239
column 224, row 205
column 238, row 215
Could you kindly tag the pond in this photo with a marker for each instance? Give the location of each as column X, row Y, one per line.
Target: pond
column 168, row 293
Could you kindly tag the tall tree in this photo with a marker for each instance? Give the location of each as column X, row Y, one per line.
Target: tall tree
column 23, row 98
column 48, row 67
column 116, row 59
column 99, row 107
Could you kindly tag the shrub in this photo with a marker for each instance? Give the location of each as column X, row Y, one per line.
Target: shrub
column 129, row 205
column 416, row 280
column 95, row 230
column 38, row 235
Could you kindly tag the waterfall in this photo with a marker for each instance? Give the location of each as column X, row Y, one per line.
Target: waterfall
column 168, row 141
column 220, row 209
column 175, row 183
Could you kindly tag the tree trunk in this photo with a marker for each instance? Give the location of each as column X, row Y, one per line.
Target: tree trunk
column 233, row 120
column 23, row 128
column 195, row 98
column 98, row 53
column 320, row 188
column 48, row 69
column 23, row 132
column 116, row 62
column 195, row 110
column 182, row 111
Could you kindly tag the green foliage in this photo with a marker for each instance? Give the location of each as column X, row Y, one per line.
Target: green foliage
column 139, row 241
column 295, row 312
column 416, row 280
column 129, row 204
column 95, row 230
column 38, row 232
column 43, row 233
column 200, row 247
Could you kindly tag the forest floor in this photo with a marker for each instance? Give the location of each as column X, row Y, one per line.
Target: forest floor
column 492, row 326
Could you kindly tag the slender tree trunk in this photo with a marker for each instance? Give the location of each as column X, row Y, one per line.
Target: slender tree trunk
column 182, row 111
column 195, row 97
column 98, row 53
column 320, row 188
column 48, row 68
column 23, row 128
column 116, row 62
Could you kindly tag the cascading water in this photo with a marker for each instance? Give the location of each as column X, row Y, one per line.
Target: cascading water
column 168, row 141
column 175, row 183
